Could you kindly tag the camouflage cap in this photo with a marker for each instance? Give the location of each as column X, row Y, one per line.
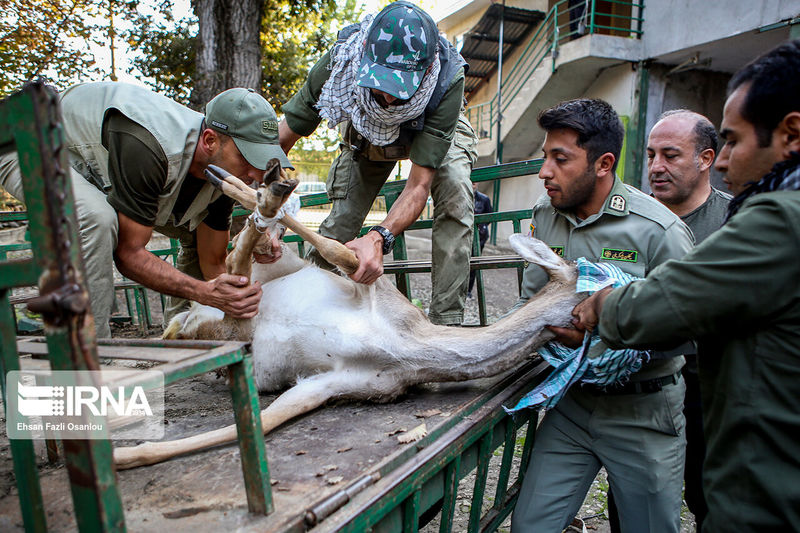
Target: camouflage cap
column 401, row 45
column 247, row 117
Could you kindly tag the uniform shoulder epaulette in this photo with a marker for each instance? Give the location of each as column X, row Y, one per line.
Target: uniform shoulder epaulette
column 648, row 207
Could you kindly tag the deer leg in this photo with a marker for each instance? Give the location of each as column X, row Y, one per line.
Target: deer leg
column 306, row 396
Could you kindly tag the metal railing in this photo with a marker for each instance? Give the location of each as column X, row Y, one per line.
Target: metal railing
column 563, row 23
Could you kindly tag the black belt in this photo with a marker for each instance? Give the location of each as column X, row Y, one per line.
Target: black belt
column 634, row 387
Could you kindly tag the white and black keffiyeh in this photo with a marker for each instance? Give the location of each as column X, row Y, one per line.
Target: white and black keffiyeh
column 342, row 99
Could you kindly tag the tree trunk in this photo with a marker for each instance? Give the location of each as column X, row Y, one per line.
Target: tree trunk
column 228, row 47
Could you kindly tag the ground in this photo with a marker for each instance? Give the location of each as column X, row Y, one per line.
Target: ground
column 193, row 405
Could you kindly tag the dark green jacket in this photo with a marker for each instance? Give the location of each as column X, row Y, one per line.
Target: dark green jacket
column 738, row 294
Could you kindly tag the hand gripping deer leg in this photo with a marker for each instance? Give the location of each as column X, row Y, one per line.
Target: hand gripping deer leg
column 333, row 251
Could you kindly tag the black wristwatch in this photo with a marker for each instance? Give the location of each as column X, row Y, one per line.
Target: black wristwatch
column 388, row 238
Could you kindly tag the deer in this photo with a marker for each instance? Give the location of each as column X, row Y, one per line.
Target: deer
column 326, row 337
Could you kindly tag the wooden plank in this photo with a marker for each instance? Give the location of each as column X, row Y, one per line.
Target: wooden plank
column 136, row 353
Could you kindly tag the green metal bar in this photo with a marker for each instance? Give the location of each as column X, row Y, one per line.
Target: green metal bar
column 13, row 216
column 129, row 301
column 484, row 455
column 505, row 465
column 251, row 437
column 530, row 438
column 641, row 18
column 495, row 203
column 435, row 452
column 450, row 494
column 32, row 115
column 591, row 17
column 19, row 273
column 411, row 513
column 507, row 170
column 634, row 158
column 23, row 454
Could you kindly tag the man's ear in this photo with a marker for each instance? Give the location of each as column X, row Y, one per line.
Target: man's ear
column 706, row 159
column 789, row 133
column 604, row 165
column 209, row 142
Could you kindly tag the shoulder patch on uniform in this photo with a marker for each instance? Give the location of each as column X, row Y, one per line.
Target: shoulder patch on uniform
column 615, row 254
column 558, row 250
column 617, row 202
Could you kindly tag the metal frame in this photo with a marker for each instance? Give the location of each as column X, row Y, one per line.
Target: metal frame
column 32, row 128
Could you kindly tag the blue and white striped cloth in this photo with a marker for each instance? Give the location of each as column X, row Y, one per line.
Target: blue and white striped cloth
column 574, row 365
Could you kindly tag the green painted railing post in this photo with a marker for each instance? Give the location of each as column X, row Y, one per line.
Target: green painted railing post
column 591, row 16
column 634, row 159
column 22, row 451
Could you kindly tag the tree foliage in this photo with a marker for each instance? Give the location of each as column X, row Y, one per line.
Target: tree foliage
column 43, row 38
column 294, row 34
column 166, row 50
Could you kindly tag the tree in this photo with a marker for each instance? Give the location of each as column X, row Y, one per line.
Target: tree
column 228, row 52
column 289, row 36
column 45, row 39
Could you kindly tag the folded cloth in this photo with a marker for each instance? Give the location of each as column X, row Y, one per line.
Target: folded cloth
column 581, row 364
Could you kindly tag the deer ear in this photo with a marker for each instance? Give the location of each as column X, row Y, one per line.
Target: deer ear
column 273, row 171
column 538, row 253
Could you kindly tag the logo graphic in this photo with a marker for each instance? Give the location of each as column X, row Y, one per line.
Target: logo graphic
column 85, row 404
column 219, row 125
column 36, row 400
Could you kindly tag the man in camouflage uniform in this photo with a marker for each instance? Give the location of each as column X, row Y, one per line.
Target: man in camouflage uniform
column 396, row 89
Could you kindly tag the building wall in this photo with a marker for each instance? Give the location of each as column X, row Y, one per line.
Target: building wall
column 702, row 91
column 672, row 28
column 671, row 25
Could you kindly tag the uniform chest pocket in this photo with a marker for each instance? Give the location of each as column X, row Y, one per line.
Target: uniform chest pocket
column 637, row 268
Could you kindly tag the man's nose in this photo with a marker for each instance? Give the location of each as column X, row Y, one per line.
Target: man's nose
column 656, row 165
column 546, row 172
column 389, row 98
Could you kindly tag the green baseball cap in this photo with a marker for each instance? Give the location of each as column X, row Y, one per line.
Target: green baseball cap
column 401, row 45
column 247, row 117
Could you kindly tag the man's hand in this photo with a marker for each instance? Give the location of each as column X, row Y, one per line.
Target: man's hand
column 587, row 313
column 569, row 337
column 233, row 295
column 272, row 251
column 369, row 250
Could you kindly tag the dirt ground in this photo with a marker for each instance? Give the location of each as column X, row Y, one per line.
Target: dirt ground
column 204, row 402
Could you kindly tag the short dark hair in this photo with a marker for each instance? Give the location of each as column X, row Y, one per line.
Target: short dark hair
column 774, row 92
column 705, row 135
column 598, row 126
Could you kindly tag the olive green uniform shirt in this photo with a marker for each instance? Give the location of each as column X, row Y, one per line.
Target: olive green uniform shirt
column 738, row 294
column 428, row 147
column 633, row 231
